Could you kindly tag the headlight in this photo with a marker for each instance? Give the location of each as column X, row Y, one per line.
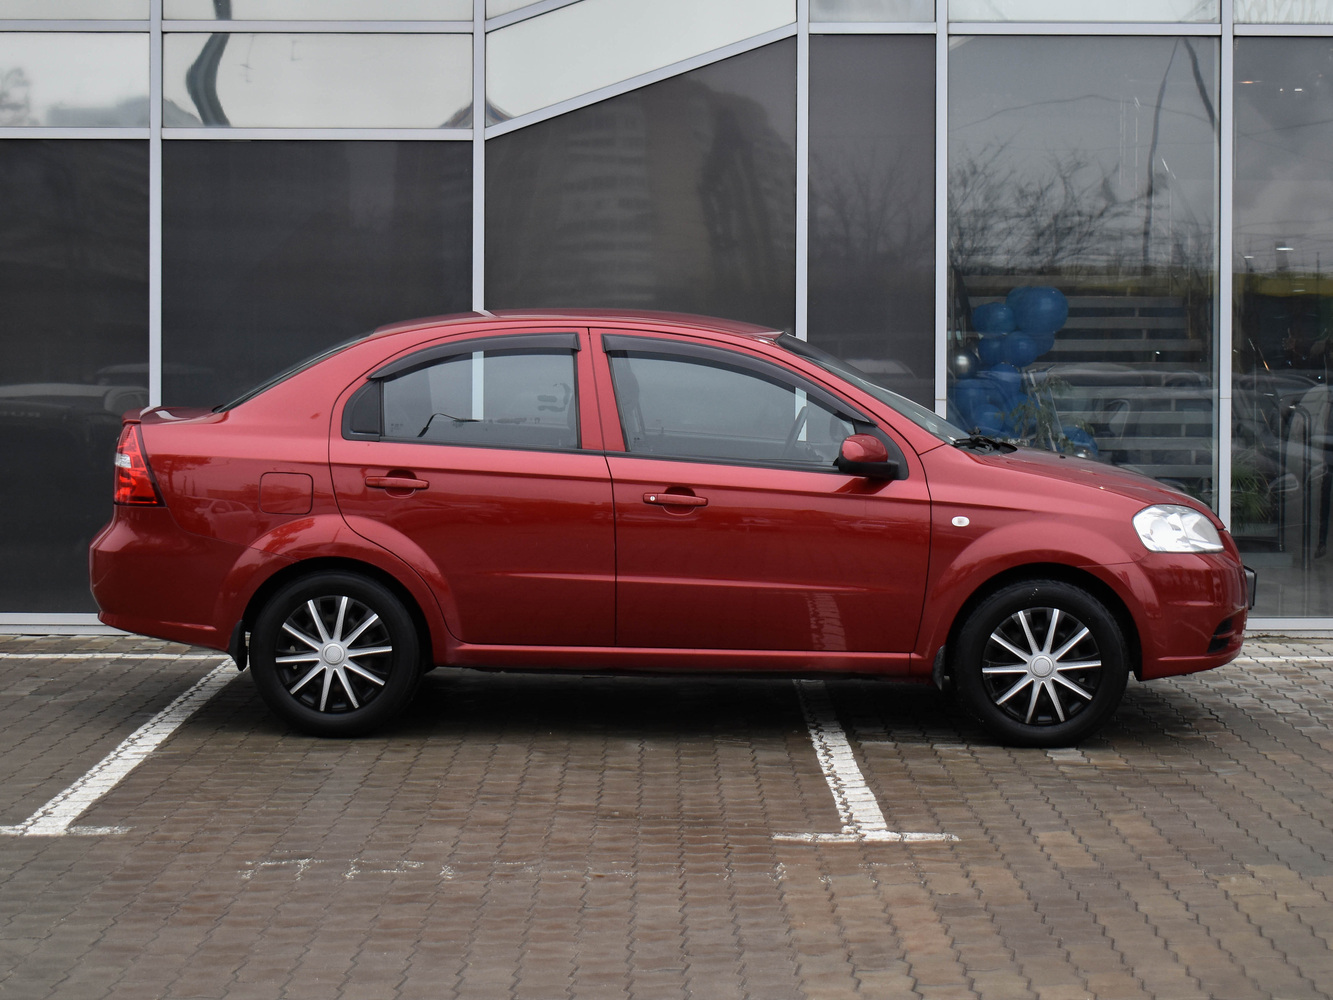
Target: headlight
column 1175, row 528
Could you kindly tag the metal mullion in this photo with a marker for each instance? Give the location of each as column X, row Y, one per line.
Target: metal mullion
column 70, row 25
column 642, row 80
column 223, row 132
column 323, row 27
column 1225, row 253
column 802, row 168
column 1291, row 627
column 155, row 98
column 941, row 209
column 1081, row 28
column 1292, row 30
column 525, row 13
column 478, row 137
column 873, row 27
column 74, row 132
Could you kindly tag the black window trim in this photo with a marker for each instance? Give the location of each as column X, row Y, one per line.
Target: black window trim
column 493, row 345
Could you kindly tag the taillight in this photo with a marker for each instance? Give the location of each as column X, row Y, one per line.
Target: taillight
column 134, row 479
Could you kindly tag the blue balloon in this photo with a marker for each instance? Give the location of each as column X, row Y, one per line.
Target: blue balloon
column 1008, row 385
column 1020, row 350
column 993, row 318
column 969, row 396
column 1015, row 296
column 1041, row 310
column 1044, row 341
column 990, row 350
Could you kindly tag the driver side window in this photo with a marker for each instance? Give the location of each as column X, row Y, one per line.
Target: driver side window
column 684, row 407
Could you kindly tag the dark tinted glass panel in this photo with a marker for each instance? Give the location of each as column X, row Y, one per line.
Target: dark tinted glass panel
column 274, row 250
column 74, row 337
column 1282, row 395
column 872, row 206
column 1082, row 248
column 680, row 195
column 507, row 400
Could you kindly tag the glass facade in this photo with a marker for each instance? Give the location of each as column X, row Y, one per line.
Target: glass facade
column 1023, row 212
column 272, row 251
column 1082, row 247
column 680, row 195
column 73, row 79
column 872, row 206
column 280, row 80
column 528, row 64
column 74, row 331
column 1282, row 398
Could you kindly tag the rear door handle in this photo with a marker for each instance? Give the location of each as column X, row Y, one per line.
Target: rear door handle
column 395, row 483
column 675, row 500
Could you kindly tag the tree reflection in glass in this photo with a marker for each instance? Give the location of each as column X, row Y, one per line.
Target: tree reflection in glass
column 1283, row 410
column 1083, row 171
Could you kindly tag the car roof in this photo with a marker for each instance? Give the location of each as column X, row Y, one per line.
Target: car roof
column 472, row 322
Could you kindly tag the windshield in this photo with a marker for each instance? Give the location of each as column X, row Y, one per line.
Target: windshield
column 924, row 418
column 287, row 373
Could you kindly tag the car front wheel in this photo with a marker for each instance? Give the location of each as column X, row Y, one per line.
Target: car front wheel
column 1041, row 663
column 335, row 654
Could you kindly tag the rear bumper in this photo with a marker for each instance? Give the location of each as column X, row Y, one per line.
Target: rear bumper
column 151, row 577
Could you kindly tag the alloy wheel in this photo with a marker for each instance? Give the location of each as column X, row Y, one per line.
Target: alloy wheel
column 334, row 654
column 1041, row 666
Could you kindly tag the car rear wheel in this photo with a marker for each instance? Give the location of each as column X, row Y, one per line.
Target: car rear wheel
column 1041, row 663
column 335, row 654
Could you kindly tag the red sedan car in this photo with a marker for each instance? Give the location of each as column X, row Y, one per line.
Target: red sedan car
column 632, row 491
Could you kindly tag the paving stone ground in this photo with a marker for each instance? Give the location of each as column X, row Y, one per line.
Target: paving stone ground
column 524, row 837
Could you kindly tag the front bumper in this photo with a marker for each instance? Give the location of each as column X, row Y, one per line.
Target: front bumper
column 1192, row 612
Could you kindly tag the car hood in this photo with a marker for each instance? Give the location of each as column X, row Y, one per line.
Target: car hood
column 1093, row 475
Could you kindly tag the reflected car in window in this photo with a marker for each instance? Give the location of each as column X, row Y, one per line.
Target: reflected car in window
column 605, row 491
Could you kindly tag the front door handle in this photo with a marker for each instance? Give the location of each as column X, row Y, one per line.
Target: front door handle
column 395, row 483
column 665, row 499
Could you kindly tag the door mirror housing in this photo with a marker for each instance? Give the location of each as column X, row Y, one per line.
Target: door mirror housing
column 865, row 455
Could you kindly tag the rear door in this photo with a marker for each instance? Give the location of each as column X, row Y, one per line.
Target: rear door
column 734, row 530
column 474, row 461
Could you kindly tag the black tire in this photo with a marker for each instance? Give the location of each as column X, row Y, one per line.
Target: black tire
column 335, row 654
column 1041, row 664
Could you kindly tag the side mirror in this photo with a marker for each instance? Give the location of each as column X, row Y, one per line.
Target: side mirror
column 865, row 455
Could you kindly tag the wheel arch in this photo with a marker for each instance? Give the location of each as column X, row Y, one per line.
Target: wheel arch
column 1059, row 572
column 333, row 564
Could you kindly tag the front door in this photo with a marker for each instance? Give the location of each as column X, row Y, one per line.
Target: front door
column 733, row 528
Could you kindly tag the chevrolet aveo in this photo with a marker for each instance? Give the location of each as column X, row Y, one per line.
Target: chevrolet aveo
column 597, row 491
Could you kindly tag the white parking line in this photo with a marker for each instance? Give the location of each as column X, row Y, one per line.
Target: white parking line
column 54, row 818
column 107, row 656
column 862, row 820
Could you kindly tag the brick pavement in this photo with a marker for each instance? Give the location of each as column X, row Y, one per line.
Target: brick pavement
column 532, row 837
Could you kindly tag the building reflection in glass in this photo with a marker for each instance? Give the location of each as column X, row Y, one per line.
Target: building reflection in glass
column 679, row 195
column 1082, row 201
column 1282, row 429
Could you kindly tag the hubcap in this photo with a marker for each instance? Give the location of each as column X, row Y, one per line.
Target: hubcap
column 1041, row 666
column 334, row 654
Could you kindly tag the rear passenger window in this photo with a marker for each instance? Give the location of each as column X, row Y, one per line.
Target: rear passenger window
column 501, row 399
